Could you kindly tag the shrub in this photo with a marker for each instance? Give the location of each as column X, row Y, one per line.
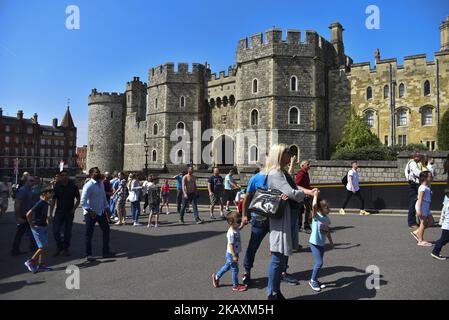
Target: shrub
column 373, row 152
column 443, row 132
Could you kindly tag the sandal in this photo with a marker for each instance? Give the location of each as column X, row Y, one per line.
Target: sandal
column 414, row 236
column 424, row 244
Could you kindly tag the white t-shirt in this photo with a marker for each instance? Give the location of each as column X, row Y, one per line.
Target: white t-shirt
column 445, row 217
column 431, row 168
column 425, row 207
column 233, row 237
column 355, row 180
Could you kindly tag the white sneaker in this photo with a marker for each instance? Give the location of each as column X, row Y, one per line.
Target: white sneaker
column 116, row 219
column 137, row 224
column 168, row 213
column 149, row 226
column 342, row 212
column 212, row 217
column 156, row 225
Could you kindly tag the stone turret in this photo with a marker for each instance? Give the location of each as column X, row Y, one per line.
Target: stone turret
column 444, row 34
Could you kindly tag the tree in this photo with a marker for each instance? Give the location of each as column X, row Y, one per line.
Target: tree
column 443, row 132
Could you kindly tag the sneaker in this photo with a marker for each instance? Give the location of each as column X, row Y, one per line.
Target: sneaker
column 156, row 225
column 364, row 213
column 116, row 219
column 44, row 267
column 246, row 279
column 322, row 286
column 239, row 288
column 215, row 281
column 168, row 213
column 199, row 221
column 222, row 216
column 438, row 257
column 149, row 225
column 212, row 217
column 31, row 265
column 90, row 259
column 289, row 279
column 181, row 221
column 137, row 224
column 228, row 210
column 342, row 212
column 315, row 285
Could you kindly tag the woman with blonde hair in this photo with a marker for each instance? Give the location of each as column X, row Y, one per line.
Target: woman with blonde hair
column 280, row 228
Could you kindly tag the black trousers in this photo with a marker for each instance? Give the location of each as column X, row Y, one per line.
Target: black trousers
column 412, row 198
column 444, row 239
column 146, row 203
column 305, row 220
column 22, row 229
column 349, row 195
column 62, row 224
column 90, row 226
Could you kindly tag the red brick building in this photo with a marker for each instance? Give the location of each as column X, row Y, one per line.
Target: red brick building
column 81, row 154
column 39, row 148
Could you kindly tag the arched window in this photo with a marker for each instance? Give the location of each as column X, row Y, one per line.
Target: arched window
column 225, row 101
column 386, row 92
column 293, row 83
column 181, row 126
column 155, row 129
column 427, row 88
column 294, row 151
column 254, row 118
column 219, row 102
column 212, row 103
column 182, row 102
column 154, row 156
column 293, row 116
column 426, row 116
column 180, row 155
column 369, row 118
column 253, row 154
column 401, row 90
column 232, row 100
column 402, row 117
column 255, row 86
column 155, row 104
column 369, row 93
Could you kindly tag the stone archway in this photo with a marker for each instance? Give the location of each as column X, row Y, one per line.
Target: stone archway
column 223, row 150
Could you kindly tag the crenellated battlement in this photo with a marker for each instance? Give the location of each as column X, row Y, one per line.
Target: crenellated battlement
column 183, row 73
column 105, row 97
column 272, row 43
column 223, row 75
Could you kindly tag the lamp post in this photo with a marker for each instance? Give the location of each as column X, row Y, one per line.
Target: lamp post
column 147, row 149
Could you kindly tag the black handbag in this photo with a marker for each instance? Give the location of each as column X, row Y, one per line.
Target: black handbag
column 268, row 203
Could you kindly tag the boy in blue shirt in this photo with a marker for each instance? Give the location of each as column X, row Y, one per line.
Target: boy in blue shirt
column 38, row 220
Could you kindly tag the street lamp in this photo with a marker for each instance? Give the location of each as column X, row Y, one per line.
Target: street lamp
column 147, row 149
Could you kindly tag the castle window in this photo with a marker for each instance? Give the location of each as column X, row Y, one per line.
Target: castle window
column 294, row 116
column 427, row 88
column 154, row 156
column 402, row 118
column 255, row 86
column 294, row 151
column 253, row 154
column 225, row 101
column 254, row 118
column 212, row 103
column 402, row 139
column 401, row 90
column 232, row 100
column 155, row 104
column 426, row 116
column 180, row 126
column 369, row 118
column 182, row 102
column 219, row 102
column 386, row 92
column 369, row 93
column 386, row 140
column 293, row 83
column 155, row 129
column 180, row 155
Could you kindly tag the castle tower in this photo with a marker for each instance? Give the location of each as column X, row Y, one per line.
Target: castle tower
column 281, row 89
column 105, row 133
column 444, row 34
column 136, row 96
column 337, row 42
column 176, row 100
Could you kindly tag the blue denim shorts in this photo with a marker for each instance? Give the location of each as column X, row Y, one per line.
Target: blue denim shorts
column 40, row 234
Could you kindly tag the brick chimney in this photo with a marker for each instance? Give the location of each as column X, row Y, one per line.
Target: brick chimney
column 20, row 114
column 55, row 123
column 35, row 118
column 1, row 112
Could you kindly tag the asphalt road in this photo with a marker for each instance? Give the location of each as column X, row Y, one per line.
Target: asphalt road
column 175, row 262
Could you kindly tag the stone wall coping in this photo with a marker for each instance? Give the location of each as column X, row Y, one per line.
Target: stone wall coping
column 347, row 163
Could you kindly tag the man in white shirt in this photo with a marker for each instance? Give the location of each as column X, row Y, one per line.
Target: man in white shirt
column 412, row 173
column 353, row 188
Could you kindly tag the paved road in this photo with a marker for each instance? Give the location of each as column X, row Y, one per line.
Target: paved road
column 175, row 262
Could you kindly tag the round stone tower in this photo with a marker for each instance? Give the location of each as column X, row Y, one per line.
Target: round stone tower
column 105, row 131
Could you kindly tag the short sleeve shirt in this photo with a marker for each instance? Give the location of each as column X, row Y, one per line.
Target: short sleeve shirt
column 233, row 237
column 179, row 182
column 65, row 197
column 216, row 184
column 256, row 182
column 316, row 237
column 355, row 180
column 24, row 195
column 40, row 213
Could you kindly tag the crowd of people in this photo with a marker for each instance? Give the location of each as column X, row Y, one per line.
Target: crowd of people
column 104, row 197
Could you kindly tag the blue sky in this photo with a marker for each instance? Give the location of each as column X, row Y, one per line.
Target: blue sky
column 42, row 63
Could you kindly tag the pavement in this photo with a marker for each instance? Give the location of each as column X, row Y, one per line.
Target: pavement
column 176, row 262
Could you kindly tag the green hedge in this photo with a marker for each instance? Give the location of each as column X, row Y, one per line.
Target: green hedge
column 378, row 152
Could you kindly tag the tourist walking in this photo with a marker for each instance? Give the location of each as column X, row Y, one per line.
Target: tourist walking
column 215, row 188
column 165, row 196
column 145, row 186
column 5, row 191
column 66, row 199
column 280, row 228
column 39, row 220
column 445, row 206
column 302, row 179
column 423, row 208
column 353, row 189
column 154, row 202
column 230, row 188
column 444, row 239
column 96, row 210
column 179, row 193
column 121, row 194
column 23, row 204
column 233, row 249
column 412, row 173
column 190, row 195
column 135, row 191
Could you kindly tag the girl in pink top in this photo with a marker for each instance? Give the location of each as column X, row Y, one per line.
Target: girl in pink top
column 165, row 194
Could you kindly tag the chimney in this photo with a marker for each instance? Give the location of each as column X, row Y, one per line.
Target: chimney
column 55, row 123
column 35, row 117
column 1, row 112
column 337, row 42
column 20, row 114
column 444, row 34
column 377, row 55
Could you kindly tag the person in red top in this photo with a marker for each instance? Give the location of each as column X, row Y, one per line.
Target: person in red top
column 302, row 179
column 165, row 194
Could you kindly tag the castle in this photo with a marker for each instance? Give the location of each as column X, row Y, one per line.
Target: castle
column 293, row 91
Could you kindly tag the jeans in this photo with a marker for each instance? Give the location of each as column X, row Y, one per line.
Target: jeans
column 178, row 200
column 277, row 264
column 23, row 228
column 63, row 222
column 349, row 195
column 113, row 207
column 259, row 229
column 444, row 239
column 412, row 198
column 230, row 265
column 193, row 199
column 135, row 210
column 318, row 255
column 90, row 226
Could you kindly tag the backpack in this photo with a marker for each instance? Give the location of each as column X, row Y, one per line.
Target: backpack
column 344, row 181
